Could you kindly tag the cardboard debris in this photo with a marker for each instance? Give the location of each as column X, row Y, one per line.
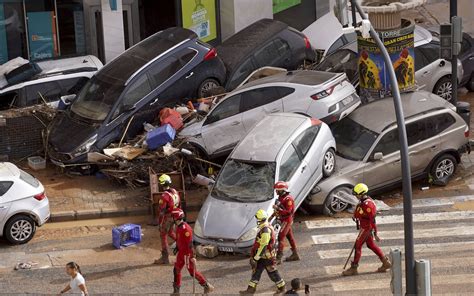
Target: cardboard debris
column 208, row 251
column 98, row 157
column 111, row 151
column 128, row 152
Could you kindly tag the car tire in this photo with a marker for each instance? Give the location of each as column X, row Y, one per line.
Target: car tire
column 443, row 168
column 470, row 84
column 444, row 88
column 329, row 163
column 333, row 205
column 20, row 229
column 207, row 84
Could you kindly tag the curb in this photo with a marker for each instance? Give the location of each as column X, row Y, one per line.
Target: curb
column 64, row 216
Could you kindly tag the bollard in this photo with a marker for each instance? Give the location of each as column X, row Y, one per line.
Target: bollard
column 423, row 277
column 396, row 272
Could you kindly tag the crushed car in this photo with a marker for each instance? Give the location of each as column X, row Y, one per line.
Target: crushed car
column 281, row 147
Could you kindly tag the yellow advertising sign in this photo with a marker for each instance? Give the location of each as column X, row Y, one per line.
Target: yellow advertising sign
column 200, row 17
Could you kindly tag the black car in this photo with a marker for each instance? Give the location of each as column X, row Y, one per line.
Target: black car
column 130, row 90
column 466, row 56
column 266, row 42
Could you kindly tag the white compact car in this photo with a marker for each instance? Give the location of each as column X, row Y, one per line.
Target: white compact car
column 322, row 95
column 23, row 204
column 281, row 147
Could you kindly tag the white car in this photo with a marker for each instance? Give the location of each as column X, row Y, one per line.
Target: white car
column 23, row 204
column 281, row 147
column 322, row 95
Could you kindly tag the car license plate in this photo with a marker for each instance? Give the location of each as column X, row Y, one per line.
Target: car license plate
column 226, row 249
column 348, row 100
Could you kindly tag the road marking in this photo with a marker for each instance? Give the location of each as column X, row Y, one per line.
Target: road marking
column 458, row 230
column 370, row 267
column 436, row 202
column 393, row 219
column 419, row 248
column 377, row 284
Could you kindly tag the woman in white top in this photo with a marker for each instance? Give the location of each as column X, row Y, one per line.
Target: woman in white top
column 77, row 284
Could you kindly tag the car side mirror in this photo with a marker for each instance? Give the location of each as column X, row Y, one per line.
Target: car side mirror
column 442, row 63
column 378, row 156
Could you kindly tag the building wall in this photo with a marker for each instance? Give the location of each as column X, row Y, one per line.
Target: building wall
column 112, row 22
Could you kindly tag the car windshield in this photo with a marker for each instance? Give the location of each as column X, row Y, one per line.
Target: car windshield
column 245, row 181
column 342, row 61
column 98, row 96
column 353, row 140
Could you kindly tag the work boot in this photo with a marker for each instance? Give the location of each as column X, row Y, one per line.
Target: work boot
column 385, row 265
column 249, row 291
column 280, row 290
column 279, row 257
column 293, row 257
column 175, row 291
column 351, row 271
column 208, row 288
column 164, row 260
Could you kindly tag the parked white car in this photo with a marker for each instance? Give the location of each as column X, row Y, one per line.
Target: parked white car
column 281, row 147
column 323, row 95
column 23, row 204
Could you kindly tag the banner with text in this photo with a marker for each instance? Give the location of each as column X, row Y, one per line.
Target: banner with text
column 200, row 17
column 41, row 35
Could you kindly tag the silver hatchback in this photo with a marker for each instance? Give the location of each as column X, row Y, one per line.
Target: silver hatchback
column 368, row 148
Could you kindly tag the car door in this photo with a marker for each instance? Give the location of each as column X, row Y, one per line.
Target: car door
column 223, row 128
column 40, row 93
column 423, row 143
column 259, row 102
column 467, row 56
column 294, row 170
column 276, row 53
column 428, row 69
column 379, row 173
column 243, row 71
column 4, row 200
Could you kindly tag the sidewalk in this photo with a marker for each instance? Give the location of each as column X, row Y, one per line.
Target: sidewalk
column 88, row 197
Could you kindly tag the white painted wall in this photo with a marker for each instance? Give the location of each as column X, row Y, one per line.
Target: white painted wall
column 238, row 14
column 112, row 22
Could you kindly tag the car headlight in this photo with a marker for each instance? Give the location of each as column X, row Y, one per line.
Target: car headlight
column 249, row 235
column 86, row 146
column 198, row 229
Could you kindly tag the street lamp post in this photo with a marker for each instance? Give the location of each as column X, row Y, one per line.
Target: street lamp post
column 453, row 11
column 405, row 162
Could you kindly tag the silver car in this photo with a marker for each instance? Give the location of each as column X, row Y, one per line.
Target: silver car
column 283, row 146
column 326, row 96
column 23, row 204
column 368, row 148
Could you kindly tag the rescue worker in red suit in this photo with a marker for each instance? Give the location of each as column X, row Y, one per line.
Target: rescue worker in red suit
column 185, row 254
column 364, row 215
column 169, row 201
column 263, row 256
column 284, row 212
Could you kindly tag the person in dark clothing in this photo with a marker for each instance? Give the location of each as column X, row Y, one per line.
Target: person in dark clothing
column 295, row 287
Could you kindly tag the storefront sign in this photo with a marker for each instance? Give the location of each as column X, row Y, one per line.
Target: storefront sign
column 200, row 17
column 41, row 35
column 373, row 77
column 3, row 37
column 280, row 5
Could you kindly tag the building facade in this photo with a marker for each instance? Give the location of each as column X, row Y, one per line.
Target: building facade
column 45, row 29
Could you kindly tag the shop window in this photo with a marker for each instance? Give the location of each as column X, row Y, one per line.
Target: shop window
column 71, row 27
column 12, row 31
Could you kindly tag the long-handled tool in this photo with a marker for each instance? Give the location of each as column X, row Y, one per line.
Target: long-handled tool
column 353, row 248
column 194, row 274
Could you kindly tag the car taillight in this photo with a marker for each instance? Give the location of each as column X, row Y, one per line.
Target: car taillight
column 323, row 94
column 40, row 197
column 212, row 53
column 466, row 132
column 307, row 43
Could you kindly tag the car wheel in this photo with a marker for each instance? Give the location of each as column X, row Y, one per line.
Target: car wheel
column 470, row 84
column 329, row 162
column 206, row 85
column 444, row 88
column 20, row 229
column 333, row 204
column 443, row 168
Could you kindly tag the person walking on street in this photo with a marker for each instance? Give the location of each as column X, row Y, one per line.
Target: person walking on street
column 285, row 211
column 185, row 254
column 263, row 256
column 77, row 285
column 169, row 201
column 364, row 215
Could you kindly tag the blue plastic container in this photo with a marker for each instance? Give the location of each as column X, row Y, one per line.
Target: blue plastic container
column 160, row 136
column 126, row 235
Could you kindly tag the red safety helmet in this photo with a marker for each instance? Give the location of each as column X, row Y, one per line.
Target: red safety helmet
column 281, row 186
column 177, row 214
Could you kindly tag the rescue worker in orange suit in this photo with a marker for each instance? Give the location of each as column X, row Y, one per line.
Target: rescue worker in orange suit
column 169, row 201
column 185, row 254
column 263, row 256
column 285, row 211
column 364, row 215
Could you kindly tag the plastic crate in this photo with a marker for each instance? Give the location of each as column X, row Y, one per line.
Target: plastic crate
column 37, row 163
column 126, row 235
column 160, row 136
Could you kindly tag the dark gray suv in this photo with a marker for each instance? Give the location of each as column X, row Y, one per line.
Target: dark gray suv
column 155, row 73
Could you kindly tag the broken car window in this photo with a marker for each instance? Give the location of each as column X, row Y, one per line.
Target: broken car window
column 353, row 140
column 245, row 181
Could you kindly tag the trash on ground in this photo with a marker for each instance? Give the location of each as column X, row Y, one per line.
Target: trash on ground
column 425, row 188
column 126, row 235
column 37, row 163
column 381, row 206
column 25, row 265
column 202, row 180
column 128, row 152
column 160, row 136
column 207, row 251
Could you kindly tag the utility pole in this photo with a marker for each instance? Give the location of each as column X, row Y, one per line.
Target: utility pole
column 453, row 12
